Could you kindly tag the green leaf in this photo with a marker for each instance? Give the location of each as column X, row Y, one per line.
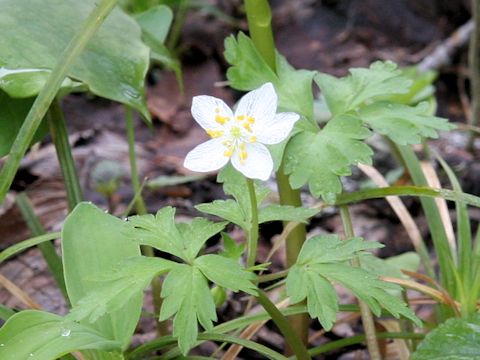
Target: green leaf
column 187, row 296
column 456, row 339
column 93, row 243
column 12, row 114
column 39, row 335
column 231, row 249
column 249, row 71
column 348, row 93
column 392, row 266
column 225, row 209
column 325, row 259
column 227, row 273
column 155, row 24
column 320, row 158
column 401, row 123
column 113, row 64
column 277, row 212
column 183, row 240
column 116, row 288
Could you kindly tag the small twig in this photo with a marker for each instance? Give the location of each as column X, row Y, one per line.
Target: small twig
column 442, row 54
column 18, row 293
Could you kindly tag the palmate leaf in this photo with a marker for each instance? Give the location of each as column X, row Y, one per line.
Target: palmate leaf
column 401, row 123
column 183, row 240
column 320, row 158
column 249, row 71
column 348, row 93
column 323, row 260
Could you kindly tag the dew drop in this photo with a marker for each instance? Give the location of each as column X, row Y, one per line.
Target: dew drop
column 30, row 355
column 106, row 211
column 66, row 332
column 2, row 345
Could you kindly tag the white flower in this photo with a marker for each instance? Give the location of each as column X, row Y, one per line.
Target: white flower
column 240, row 137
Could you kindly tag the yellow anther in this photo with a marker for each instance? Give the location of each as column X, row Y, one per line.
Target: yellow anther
column 240, row 117
column 215, row 133
column 221, row 119
column 247, row 127
column 242, row 146
column 252, row 139
column 251, row 119
column 228, row 153
column 243, row 156
column 217, row 110
column 227, row 143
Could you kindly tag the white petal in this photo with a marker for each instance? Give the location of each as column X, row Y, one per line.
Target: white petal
column 261, row 104
column 258, row 164
column 206, row 157
column 278, row 129
column 204, row 111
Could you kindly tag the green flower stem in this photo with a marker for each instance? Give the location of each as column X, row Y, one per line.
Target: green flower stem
column 49, row 91
column 136, row 185
column 272, row 277
column 358, row 339
column 162, row 326
column 367, row 318
column 259, row 18
column 252, row 236
column 291, row 337
column 179, row 20
column 59, row 133
column 54, row 262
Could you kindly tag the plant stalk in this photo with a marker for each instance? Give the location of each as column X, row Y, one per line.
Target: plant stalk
column 367, row 318
column 49, row 91
column 156, row 284
column 54, row 262
column 474, row 67
column 252, row 236
column 59, row 133
column 259, row 16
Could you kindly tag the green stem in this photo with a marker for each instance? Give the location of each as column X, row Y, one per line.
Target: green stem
column 54, row 262
column 253, row 231
column 367, row 318
column 49, row 91
column 358, row 339
column 162, row 326
column 136, row 185
column 291, row 337
column 27, row 244
column 180, row 15
column 272, row 277
column 474, row 66
column 59, row 133
column 259, row 18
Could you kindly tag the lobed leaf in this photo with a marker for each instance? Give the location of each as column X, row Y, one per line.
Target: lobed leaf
column 320, row 158
column 277, row 212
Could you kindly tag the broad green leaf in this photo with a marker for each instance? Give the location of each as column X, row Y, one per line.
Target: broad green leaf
column 320, row 158
column 325, row 259
column 100, row 355
column 93, row 243
column 456, row 339
column 348, row 93
column 34, row 34
column 6, row 312
column 39, row 335
column 116, row 288
column 183, row 240
column 186, row 295
column 277, row 212
column 392, row 266
column 401, row 123
column 12, row 114
column 227, row 273
column 249, row 71
column 422, row 88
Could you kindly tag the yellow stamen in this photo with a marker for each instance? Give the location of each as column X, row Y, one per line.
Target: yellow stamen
column 228, row 153
column 221, row 119
column 251, row 119
column 215, row 133
column 247, row 127
column 243, row 156
column 252, row 139
column 240, row 117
